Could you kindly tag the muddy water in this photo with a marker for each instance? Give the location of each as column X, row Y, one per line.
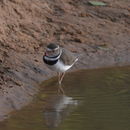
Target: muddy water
column 93, row 100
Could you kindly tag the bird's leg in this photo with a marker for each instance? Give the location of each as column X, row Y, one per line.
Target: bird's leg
column 58, row 73
column 61, row 77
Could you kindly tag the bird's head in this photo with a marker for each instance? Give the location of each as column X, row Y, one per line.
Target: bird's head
column 52, row 50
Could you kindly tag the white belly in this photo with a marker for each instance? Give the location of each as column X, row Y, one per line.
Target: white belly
column 59, row 67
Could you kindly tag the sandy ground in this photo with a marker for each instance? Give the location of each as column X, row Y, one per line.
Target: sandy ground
column 100, row 36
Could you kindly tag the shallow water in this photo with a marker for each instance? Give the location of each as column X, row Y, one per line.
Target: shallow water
column 93, row 100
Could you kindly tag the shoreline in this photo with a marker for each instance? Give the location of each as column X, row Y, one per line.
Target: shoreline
column 100, row 36
column 18, row 97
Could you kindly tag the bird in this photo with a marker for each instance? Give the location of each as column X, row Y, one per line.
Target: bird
column 59, row 59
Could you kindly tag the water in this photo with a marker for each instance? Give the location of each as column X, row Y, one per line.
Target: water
column 93, row 100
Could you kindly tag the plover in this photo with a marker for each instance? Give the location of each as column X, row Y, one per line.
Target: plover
column 58, row 59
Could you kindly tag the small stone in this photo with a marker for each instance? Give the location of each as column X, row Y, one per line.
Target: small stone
column 77, row 40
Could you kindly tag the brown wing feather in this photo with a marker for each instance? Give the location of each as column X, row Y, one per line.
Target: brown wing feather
column 67, row 57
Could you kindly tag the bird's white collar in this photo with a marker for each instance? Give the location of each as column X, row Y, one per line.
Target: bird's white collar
column 53, row 58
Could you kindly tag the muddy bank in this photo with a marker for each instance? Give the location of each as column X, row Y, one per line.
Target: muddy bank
column 99, row 35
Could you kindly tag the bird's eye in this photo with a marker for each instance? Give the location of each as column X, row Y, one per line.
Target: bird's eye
column 49, row 52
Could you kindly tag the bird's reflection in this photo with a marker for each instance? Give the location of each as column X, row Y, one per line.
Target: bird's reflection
column 57, row 108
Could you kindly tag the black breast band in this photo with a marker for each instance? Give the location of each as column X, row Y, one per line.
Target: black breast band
column 50, row 62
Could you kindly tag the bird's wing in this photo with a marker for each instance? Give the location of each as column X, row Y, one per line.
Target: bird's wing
column 67, row 57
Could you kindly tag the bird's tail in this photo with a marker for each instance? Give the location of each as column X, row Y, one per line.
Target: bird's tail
column 75, row 61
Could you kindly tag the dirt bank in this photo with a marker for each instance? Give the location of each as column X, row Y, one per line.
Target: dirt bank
column 99, row 35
